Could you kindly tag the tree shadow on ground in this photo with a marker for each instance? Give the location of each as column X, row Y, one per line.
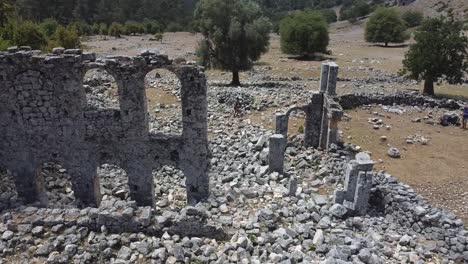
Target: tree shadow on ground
column 389, row 46
column 315, row 57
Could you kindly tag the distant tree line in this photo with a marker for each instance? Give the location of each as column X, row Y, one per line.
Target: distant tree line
column 105, row 11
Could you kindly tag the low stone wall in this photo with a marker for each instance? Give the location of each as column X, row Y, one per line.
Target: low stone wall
column 350, row 101
column 116, row 217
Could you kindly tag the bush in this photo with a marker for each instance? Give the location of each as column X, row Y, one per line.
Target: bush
column 81, row 28
column 103, row 29
column 29, row 34
column 304, row 33
column 115, row 30
column 132, row 27
column 152, row 27
column 329, row 15
column 4, row 44
column 386, row 26
column 8, row 30
column 159, row 37
column 174, row 27
column 95, row 29
column 412, row 18
column 354, row 11
column 67, row 38
column 49, row 26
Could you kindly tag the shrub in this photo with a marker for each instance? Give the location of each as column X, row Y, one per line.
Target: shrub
column 49, row 26
column 4, row 44
column 174, row 27
column 103, row 29
column 81, row 28
column 412, row 18
column 354, row 11
column 132, row 27
column 8, row 30
column 29, row 34
column 386, row 26
column 152, row 27
column 304, row 33
column 115, row 30
column 329, row 15
column 67, row 37
column 95, row 29
column 159, row 37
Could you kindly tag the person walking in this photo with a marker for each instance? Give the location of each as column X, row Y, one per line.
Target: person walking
column 464, row 118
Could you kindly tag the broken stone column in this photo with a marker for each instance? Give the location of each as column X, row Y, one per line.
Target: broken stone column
column 276, row 156
column 313, row 121
column 194, row 155
column 332, row 78
column 324, row 77
column 336, row 114
column 358, row 183
column 324, row 126
column 281, row 124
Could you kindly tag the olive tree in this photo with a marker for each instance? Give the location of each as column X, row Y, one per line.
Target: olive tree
column 235, row 35
column 386, row 26
column 440, row 53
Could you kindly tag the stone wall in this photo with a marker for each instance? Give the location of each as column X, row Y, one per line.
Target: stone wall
column 350, row 101
column 44, row 118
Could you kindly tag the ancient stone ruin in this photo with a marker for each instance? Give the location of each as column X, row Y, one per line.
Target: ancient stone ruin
column 44, row 118
column 357, row 185
column 322, row 115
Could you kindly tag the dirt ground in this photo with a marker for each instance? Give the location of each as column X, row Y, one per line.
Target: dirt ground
column 438, row 170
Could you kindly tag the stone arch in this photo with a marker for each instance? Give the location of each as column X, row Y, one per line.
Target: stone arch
column 163, row 97
column 101, row 89
column 283, row 120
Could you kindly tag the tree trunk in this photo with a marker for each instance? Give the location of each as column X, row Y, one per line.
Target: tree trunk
column 386, row 44
column 235, row 79
column 428, row 87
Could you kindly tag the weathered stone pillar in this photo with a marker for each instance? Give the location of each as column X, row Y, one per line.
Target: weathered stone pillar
column 85, row 183
column 358, row 182
column 313, row 121
column 281, row 124
column 134, row 121
column 324, row 77
column 276, row 155
column 332, row 79
column 336, row 115
column 324, row 126
column 140, row 181
column 195, row 153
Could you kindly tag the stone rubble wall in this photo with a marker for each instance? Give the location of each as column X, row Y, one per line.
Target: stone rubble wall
column 44, row 118
column 350, row 101
column 400, row 203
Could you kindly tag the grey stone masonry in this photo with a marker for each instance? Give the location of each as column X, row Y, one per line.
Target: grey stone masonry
column 276, row 153
column 322, row 114
column 358, row 183
column 44, row 118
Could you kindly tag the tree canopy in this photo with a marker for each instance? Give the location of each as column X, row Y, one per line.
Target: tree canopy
column 304, row 33
column 386, row 26
column 440, row 53
column 235, row 34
